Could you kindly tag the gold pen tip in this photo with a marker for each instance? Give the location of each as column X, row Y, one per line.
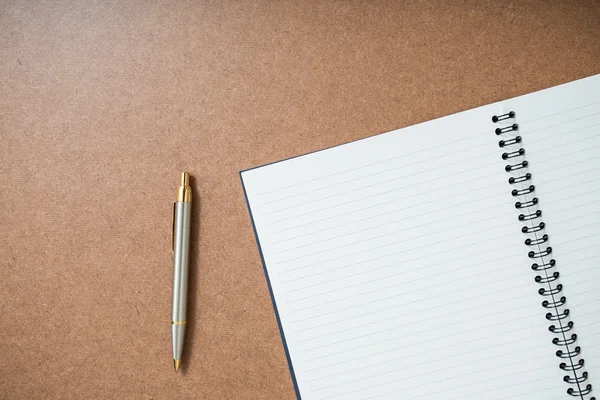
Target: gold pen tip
column 185, row 179
column 177, row 365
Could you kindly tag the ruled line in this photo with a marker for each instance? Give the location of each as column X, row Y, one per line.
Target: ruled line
column 391, row 307
column 437, row 178
column 427, row 192
column 396, row 221
column 356, row 295
column 391, row 265
column 426, row 394
column 420, row 204
column 387, row 351
column 428, row 234
column 586, row 326
column 394, row 359
column 418, row 151
column 562, row 123
column 531, row 318
column 517, row 372
column 387, row 277
column 389, row 170
column 331, row 333
column 553, row 388
column 384, row 256
column 477, row 393
column 376, row 195
column 387, row 255
column 394, row 306
column 495, row 195
column 488, row 206
column 391, row 254
column 498, row 367
column 375, row 163
column 370, row 344
column 457, row 376
column 395, row 328
column 565, row 155
column 428, row 288
column 437, row 370
column 547, row 138
column 562, row 112
column 408, row 165
column 412, row 366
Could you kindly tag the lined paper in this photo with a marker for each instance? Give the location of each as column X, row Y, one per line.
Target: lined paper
column 397, row 268
column 561, row 134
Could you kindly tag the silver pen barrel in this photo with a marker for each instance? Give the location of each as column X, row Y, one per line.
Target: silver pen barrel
column 181, row 249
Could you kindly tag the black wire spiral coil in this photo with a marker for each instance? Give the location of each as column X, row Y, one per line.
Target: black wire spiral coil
column 541, row 254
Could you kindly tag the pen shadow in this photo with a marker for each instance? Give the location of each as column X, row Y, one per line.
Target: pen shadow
column 193, row 266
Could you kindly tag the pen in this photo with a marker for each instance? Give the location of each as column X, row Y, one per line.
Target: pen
column 180, row 248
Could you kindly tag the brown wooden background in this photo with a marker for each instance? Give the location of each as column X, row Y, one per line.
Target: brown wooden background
column 103, row 103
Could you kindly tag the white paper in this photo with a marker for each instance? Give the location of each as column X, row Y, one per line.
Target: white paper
column 398, row 270
column 561, row 134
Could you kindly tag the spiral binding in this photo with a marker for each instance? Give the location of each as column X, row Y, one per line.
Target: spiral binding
column 543, row 264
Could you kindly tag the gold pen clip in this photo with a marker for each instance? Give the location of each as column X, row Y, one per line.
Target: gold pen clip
column 184, row 195
column 173, row 233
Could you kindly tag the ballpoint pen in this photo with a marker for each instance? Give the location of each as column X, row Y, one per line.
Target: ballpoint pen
column 180, row 247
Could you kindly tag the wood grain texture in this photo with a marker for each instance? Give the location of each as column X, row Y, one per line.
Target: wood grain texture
column 103, row 103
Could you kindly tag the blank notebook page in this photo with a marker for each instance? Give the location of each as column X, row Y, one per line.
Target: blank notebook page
column 561, row 135
column 397, row 268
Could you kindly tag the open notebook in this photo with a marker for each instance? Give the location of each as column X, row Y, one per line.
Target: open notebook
column 454, row 259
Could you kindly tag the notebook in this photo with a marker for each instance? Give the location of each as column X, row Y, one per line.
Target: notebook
column 454, row 259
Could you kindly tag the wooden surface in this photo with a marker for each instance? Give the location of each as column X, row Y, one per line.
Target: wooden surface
column 103, row 103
